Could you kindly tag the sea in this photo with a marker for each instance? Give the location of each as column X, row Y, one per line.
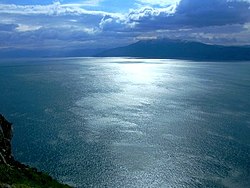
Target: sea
column 130, row 123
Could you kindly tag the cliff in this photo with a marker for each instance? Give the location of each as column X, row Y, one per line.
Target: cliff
column 15, row 174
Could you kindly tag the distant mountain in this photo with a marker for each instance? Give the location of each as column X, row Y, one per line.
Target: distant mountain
column 38, row 53
column 177, row 49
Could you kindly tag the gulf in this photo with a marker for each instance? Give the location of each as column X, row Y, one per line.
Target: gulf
column 122, row 122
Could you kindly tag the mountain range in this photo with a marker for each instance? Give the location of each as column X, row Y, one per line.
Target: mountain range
column 178, row 49
column 48, row 53
column 158, row 49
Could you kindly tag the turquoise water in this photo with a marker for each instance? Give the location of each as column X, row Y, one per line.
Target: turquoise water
column 117, row 122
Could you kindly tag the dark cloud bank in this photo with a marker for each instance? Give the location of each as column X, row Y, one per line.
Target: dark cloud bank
column 192, row 14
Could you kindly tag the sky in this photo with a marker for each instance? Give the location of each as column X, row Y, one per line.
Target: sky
column 90, row 24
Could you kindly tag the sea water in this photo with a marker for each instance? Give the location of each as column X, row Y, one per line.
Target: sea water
column 133, row 123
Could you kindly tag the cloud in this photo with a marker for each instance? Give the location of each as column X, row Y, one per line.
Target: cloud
column 150, row 18
column 161, row 3
column 225, row 35
column 24, row 28
column 191, row 13
column 47, row 26
column 86, row 3
column 218, row 21
column 212, row 12
column 55, row 9
column 185, row 14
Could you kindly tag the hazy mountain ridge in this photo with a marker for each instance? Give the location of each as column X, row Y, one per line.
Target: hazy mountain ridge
column 35, row 53
column 158, row 49
column 178, row 49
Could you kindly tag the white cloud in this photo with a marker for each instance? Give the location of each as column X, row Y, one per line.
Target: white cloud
column 24, row 28
column 247, row 26
column 149, row 12
column 146, row 37
column 162, row 3
column 86, row 3
column 51, row 9
column 90, row 31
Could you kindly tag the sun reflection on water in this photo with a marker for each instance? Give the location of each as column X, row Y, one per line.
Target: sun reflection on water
column 139, row 73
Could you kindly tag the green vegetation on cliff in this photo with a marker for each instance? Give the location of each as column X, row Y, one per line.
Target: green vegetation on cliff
column 15, row 174
column 11, row 176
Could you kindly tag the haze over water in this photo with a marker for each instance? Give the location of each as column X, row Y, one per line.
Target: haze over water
column 118, row 122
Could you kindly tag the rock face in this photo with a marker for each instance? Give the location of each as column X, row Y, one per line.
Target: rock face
column 5, row 141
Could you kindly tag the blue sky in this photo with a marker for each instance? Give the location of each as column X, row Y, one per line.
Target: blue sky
column 35, row 24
